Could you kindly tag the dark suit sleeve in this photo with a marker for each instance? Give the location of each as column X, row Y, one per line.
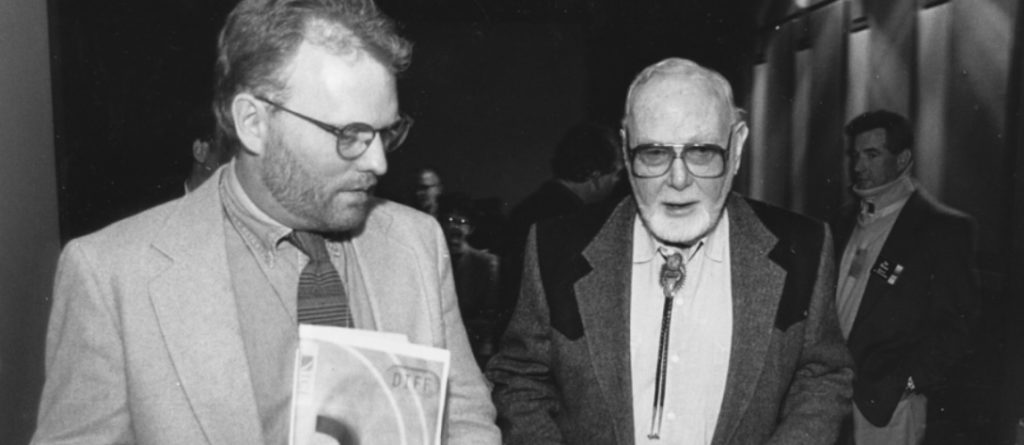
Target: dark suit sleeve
column 819, row 395
column 953, row 304
column 525, row 393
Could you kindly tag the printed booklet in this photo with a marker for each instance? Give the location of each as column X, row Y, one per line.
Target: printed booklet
column 365, row 387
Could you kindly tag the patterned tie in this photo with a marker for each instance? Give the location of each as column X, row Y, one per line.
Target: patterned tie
column 673, row 274
column 321, row 297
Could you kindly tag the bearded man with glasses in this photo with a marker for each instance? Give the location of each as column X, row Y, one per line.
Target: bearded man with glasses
column 180, row 325
column 690, row 314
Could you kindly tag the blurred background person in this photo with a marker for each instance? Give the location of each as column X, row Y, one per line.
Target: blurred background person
column 587, row 170
column 475, row 272
column 427, row 191
column 209, row 150
column 906, row 295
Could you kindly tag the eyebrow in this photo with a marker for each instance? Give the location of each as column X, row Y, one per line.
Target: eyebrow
column 854, row 151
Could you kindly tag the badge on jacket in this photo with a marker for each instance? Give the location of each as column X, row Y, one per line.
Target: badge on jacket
column 889, row 270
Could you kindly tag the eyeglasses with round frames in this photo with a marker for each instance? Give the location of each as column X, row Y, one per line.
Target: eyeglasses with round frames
column 701, row 160
column 354, row 139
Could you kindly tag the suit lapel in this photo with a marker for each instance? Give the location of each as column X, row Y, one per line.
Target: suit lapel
column 757, row 284
column 196, row 311
column 603, row 296
column 389, row 271
column 901, row 239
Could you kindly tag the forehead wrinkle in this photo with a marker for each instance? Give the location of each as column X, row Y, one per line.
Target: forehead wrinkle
column 690, row 104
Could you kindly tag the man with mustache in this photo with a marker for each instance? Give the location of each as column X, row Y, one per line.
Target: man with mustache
column 690, row 314
column 179, row 325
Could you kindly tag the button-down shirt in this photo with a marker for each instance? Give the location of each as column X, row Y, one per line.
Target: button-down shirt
column 700, row 336
column 265, row 270
column 281, row 261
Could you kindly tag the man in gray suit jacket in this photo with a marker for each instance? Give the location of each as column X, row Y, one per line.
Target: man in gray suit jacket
column 690, row 314
column 178, row 325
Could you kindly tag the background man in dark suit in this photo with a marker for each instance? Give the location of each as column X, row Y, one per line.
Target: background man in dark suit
column 906, row 293
column 689, row 315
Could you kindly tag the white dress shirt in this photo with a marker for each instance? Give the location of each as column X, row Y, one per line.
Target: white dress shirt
column 700, row 338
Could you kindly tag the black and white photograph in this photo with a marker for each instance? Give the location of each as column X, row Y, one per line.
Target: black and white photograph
column 713, row 222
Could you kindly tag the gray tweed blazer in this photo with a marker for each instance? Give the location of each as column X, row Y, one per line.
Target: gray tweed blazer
column 562, row 374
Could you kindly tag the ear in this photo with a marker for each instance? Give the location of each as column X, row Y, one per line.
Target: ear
column 903, row 159
column 624, row 142
column 738, row 142
column 251, row 122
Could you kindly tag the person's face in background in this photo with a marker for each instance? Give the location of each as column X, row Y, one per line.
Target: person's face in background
column 208, row 154
column 457, row 229
column 428, row 189
column 604, row 183
column 872, row 163
column 677, row 207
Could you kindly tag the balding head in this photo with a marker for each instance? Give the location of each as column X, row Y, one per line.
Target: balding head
column 674, row 76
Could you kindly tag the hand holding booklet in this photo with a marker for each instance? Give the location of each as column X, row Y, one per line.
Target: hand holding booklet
column 365, row 387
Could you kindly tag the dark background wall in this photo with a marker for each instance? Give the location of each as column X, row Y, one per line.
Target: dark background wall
column 492, row 86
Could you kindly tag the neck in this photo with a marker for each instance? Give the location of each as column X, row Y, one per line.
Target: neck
column 888, row 193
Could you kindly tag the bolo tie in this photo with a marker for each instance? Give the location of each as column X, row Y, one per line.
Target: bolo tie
column 673, row 274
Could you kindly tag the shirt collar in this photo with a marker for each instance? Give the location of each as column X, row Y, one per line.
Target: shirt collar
column 264, row 230
column 718, row 240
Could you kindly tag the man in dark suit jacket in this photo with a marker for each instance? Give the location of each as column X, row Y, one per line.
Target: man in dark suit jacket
column 735, row 341
column 906, row 293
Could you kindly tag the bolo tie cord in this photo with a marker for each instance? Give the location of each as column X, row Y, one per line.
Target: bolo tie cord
column 673, row 274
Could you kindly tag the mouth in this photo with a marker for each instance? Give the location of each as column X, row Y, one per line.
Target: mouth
column 367, row 187
column 679, row 208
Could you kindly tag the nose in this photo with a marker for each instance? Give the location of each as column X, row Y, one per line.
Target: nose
column 678, row 177
column 859, row 164
column 373, row 159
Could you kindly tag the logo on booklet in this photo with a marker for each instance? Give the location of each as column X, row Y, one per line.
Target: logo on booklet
column 416, row 380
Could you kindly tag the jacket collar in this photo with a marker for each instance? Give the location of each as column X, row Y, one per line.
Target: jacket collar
column 381, row 255
column 757, row 286
column 902, row 239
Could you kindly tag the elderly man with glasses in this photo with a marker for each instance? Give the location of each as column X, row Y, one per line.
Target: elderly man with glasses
column 690, row 314
column 180, row 325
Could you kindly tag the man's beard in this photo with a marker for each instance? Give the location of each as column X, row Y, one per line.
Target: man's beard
column 696, row 226
column 305, row 195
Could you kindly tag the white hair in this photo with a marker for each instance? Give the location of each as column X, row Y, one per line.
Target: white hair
column 685, row 69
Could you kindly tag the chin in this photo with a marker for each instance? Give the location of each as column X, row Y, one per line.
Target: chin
column 684, row 230
column 338, row 217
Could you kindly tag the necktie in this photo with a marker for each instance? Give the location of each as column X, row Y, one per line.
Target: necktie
column 673, row 274
column 321, row 296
